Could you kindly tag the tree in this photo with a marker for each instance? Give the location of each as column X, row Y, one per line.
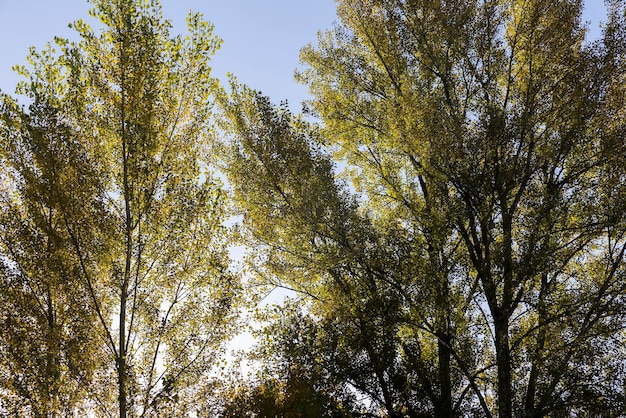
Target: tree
column 113, row 155
column 487, row 243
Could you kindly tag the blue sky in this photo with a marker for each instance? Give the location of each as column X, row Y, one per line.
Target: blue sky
column 262, row 39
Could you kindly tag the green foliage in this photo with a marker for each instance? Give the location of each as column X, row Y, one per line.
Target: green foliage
column 480, row 270
column 113, row 221
column 49, row 346
column 468, row 260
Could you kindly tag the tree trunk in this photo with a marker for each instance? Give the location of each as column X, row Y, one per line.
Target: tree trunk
column 443, row 408
column 121, row 361
column 531, row 391
column 503, row 363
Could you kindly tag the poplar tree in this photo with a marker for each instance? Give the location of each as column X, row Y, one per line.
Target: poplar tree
column 110, row 171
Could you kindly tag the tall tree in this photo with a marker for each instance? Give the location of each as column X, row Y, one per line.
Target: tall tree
column 503, row 115
column 121, row 166
column 485, row 253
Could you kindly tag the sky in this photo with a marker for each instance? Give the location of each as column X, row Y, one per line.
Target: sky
column 262, row 38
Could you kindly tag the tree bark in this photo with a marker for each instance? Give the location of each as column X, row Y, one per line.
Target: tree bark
column 443, row 408
column 503, row 363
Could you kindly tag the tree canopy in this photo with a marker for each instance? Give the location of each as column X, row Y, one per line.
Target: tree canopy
column 475, row 265
column 449, row 213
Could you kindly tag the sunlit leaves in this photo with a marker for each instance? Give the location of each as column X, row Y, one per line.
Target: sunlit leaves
column 113, row 153
column 484, row 142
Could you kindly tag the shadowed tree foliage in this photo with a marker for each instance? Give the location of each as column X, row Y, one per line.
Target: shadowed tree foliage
column 293, row 379
column 48, row 346
column 359, row 270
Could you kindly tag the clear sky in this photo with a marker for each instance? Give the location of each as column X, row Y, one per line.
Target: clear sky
column 262, row 38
